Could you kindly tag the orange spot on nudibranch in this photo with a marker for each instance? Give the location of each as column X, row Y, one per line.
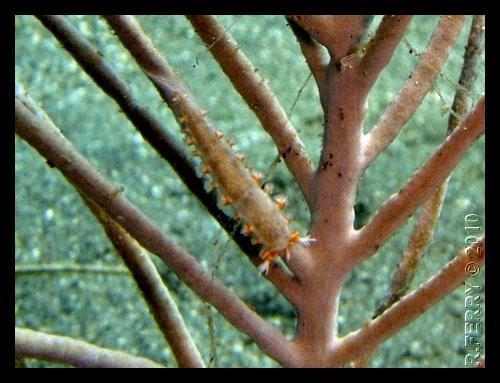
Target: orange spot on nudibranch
column 225, row 200
column 269, row 255
column 247, row 229
column 281, row 201
column 257, row 177
column 294, row 238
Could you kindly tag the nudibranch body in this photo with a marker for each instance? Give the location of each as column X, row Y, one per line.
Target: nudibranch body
column 239, row 187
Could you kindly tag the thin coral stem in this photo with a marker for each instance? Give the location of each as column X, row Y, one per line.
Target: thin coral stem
column 160, row 302
column 315, row 56
column 78, row 353
column 54, row 268
column 470, row 71
column 380, row 49
column 420, row 238
column 414, row 90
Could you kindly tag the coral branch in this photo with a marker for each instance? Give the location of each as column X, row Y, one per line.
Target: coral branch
column 156, row 294
column 339, row 168
column 52, row 145
column 415, row 249
column 259, row 97
column 416, row 87
column 379, row 50
column 56, row 348
column 419, row 241
column 315, row 56
column 424, row 182
column 451, row 276
column 334, row 191
column 472, row 56
column 69, row 268
column 339, row 34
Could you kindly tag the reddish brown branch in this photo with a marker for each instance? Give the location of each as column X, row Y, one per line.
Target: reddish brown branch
column 156, row 294
column 420, row 238
column 410, row 307
column 416, row 87
column 315, row 56
column 472, row 56
column 424, row 182
column 56, row 348
column 333, row 214
column 339, row 168
column 380, row 49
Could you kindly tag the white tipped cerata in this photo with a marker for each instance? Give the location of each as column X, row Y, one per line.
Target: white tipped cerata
column 306, row 241
column 264, row 267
